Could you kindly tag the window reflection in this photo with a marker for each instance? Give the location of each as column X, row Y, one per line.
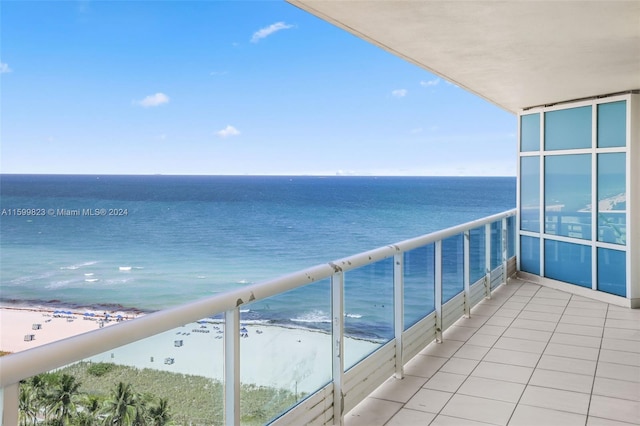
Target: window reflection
column 612, row 198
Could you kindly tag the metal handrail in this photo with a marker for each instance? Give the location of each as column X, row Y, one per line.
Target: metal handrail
column 25, row 364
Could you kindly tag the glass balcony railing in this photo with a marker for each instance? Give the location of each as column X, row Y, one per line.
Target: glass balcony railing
column 247, row 357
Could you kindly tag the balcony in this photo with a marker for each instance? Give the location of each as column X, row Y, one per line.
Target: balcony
column 463, row 343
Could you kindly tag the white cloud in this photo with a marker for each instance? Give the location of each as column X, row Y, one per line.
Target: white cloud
column 154, row 100
column 430, row 83
column 228, row 131
column 400, row 93
column 4, row 68
column 267, row 31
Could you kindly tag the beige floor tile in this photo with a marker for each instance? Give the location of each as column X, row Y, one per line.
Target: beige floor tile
column 429, row 400
column 476, row 321
column 479, row 409
column 485, row 340
column 444, row 349
column 509, row 373
column 541, row 300
column 459, row 366
column 620, row 357
column 616, row 312
column 555, row 399
column 407, row 417
column 587, row 304
column 492, row 330
column 442, row 420
column 569, row 365
column 533, row 324
column 544, row 309
column 527, row 334
column 446, row 382
column 580, row 312
column 521, row 345
column 537, row 317
column 576, row 340
column 550, row 293
column 484, row 309
column 614, row 409
column 561, row 380
column 618, row 371
column 617, row 389
column 471, row 352
column 571, row 351
column 458, row 333
column 526, row 415
column 597, row 421
column 424, row 365
column 621, row 345
column 399, row 390
column 592, row 321
column 580, row 330
column 621, row 333
column 500, row 321
column 632, row 324
column 523, row 299
column 511, row 309
column 504, row 356
column 492, row 389
column 372, row 412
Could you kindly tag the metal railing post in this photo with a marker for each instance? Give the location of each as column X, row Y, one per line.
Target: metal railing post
column 438, row 291
column 487, row 251
column 9, row 410
column 232, row 367
column 467, row 273
column 337, row 339
column 398, row 311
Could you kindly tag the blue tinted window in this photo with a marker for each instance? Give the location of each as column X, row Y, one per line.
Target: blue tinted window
column 612, row 271
column 496, row 244
column 452, row 267
column 530, row 255
column 530, row 194
column 567, row 195
column 568, row 262
column 511, row 237
column 530, row 132
column 612, row 124
column 568, row 128
column 477, row 263
column 612, row 198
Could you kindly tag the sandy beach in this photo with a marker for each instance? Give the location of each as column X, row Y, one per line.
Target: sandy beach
column 289, row 358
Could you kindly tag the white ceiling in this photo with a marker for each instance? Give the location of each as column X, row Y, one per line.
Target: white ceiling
column 515, row 54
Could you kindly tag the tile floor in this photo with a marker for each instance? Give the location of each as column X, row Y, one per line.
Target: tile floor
column 530, row 355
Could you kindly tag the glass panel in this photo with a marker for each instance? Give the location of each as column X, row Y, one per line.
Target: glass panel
column 612, row 271
column 530, row 132
column 419, row 281
column 291, row 332
column 477, row 254
column 612, row 124
column 368, row 304
column 176, row 374
column 568, row 128
column 452, row 267
column 567, row 262
column 567, row 195
column 530, row 254
column 496, row 244
column 511, row 236
column 612, row 198
column 530, row 194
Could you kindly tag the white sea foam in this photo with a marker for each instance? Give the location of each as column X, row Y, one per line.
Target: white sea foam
column 90, row 274
column 352, row 315
column 124, row 268
column 313, row 317
column 79, row 265
column 242, row 311
column 91, row 280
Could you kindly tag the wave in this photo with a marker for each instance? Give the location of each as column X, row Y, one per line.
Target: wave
column 313, row 317
column 90, row 274
column 90, row 280
column 352, row 315
column 78, row 265
column 124, row 268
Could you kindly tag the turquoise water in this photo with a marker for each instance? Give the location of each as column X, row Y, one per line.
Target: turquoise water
column 149, row 242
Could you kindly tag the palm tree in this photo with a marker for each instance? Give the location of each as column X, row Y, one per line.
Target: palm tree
column 120, row 408
column 63, row 399
column 159, row 414
column 28, row 410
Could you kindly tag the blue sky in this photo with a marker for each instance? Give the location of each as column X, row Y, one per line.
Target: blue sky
column 227, row 87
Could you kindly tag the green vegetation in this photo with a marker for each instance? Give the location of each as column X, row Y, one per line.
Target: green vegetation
column 87, row 394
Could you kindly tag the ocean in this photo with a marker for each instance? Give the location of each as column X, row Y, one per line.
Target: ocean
column 149, row 242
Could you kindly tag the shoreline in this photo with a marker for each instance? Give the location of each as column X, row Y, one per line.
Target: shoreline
column 270, row 355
